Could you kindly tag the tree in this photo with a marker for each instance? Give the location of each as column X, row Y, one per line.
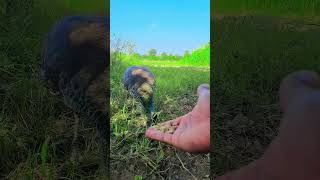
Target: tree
column 186, row 53
column 130, row 47
column 164, row 55
column 176, row 57
column 145, row 56
column 136, row 55
column 152, row 52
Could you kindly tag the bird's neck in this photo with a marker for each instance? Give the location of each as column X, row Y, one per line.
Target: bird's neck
column 150, row 108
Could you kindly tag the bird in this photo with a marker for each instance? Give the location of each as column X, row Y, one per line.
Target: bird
column 74, row 67
column 140, row 83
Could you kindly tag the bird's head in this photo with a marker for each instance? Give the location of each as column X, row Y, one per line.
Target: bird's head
column 145, row 92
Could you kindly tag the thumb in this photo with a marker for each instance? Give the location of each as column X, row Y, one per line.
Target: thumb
column 203, row 88
column 203, row 104
column 297, row 85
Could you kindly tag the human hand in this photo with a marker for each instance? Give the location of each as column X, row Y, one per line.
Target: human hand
column 294, row 153
column 193, row 129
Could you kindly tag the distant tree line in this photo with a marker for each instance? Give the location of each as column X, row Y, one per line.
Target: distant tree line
column 152, row 55
column 126, row 49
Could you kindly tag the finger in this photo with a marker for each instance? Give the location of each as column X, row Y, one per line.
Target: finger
column 297, row 85
column 152, row 133
column 203, row 88
column 203, row 104
column 203, row 92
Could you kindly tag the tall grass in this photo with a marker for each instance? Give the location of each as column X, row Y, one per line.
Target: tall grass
column 268, row 7
column 87, row 7
column 28, row 113
column 198, row 57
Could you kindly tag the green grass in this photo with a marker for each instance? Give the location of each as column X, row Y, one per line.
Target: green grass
column 36, row 129
column 199, row 57
column 267, row 7
column 175, row 95
column 252, row 54
column 81, row 6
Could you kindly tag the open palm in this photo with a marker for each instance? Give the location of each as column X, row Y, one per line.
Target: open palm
column 193, row 129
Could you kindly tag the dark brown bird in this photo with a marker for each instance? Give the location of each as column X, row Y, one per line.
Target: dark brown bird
column 75, row 56
column 140, row 82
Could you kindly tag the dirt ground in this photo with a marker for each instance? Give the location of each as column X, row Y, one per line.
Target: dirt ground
column 189, row 167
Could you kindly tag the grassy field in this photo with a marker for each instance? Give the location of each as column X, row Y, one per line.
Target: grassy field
column 36, row 129
column 251, row 56
column 132, row 153
column 296, row 8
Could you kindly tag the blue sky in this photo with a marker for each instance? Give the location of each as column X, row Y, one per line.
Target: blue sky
column 170, row 26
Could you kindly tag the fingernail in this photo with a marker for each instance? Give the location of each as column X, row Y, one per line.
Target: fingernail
column 202, row 88
column 308, row 78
